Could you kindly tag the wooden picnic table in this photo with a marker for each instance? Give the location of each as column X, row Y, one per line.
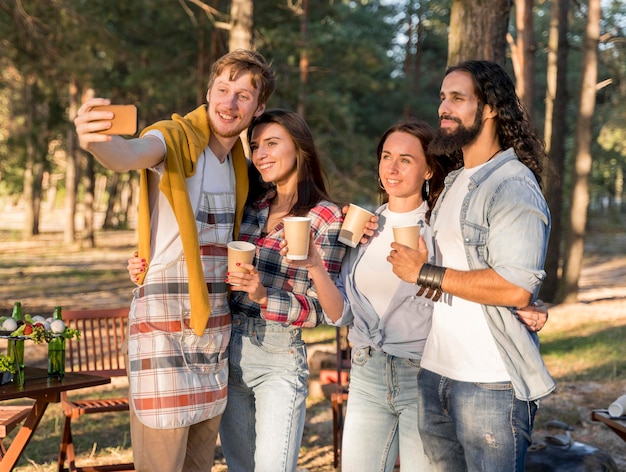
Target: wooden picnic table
column 44, row 390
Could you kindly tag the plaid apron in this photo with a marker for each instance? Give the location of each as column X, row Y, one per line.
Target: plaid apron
column 177, row 378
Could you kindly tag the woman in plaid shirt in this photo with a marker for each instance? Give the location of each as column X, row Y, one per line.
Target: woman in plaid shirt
column 262, row 426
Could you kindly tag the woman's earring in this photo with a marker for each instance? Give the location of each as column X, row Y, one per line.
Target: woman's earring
column 427, row 188
column 380, row 184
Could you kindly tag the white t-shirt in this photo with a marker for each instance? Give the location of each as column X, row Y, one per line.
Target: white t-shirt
column 460, row 345
column 374, row 275
column 211, row 176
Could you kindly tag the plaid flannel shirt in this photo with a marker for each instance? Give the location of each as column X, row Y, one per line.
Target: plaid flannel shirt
column 291, row 295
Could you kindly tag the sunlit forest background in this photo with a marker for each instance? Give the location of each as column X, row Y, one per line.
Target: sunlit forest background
column 350, row 67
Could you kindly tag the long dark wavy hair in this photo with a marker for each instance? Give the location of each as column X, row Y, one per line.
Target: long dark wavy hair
column 494, row 87
column 439, row 165
column 311, row 183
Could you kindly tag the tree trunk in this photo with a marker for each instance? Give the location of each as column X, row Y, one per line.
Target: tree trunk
column 110, row 222
column 619, row 187
column 523, row 54
column 304, row 59
column 413, row 51
column 88, row 239
column 241, row 24
column 580, row 186
column 37, row 192
column 555, row 131
column 126, row 201
column 70, row 169
column 27, row 229
column 478, row 30
column 36, row 149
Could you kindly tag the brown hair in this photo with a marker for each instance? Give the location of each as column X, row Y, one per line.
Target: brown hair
column 311, row 185
column 263, row 76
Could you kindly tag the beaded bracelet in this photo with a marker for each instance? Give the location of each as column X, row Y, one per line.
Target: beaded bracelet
column 430, row 278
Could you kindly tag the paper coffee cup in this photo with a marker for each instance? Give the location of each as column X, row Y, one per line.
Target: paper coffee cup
column 297, row 232
column 242, row 252
column 618, row 407
column 408, row 235
column 353, row 226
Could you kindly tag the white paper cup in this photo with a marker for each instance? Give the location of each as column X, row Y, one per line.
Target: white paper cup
column 242, row 252
column 297, row 232
column 618, row 407
column 353, row 226
column 408, row 235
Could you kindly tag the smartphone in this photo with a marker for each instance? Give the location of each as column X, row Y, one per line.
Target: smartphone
column 124, row 121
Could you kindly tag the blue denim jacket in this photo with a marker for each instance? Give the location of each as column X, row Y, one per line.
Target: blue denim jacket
column 505, row 223
column 403, row 328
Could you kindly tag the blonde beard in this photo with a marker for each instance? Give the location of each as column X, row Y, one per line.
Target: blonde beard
column 230, row 134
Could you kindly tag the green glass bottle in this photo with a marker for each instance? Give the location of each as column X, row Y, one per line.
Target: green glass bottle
column 16, row 348
column 56, row 350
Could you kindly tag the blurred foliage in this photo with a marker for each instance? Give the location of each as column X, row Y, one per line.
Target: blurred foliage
column 368, row 65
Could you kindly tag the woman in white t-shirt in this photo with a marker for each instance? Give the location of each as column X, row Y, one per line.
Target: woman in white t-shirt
column 389, row 323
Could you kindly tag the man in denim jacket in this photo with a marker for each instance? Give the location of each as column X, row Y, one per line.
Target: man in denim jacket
column 481, row 369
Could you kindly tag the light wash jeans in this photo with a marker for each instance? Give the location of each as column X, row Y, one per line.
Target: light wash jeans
column 262, row 426
column 476, row 427
column 381, row 416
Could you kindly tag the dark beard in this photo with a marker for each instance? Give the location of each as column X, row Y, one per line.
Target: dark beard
column 447, row 142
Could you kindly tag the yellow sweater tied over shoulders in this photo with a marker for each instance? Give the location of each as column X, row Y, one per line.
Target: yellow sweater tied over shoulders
column 185, row 138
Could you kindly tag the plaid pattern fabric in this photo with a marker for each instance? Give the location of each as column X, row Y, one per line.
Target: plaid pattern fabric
column 177, row 378
column 292, row 298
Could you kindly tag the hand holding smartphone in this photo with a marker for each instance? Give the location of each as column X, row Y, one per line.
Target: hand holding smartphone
column 124, row 120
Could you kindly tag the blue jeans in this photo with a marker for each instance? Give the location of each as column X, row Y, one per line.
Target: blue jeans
column 476, row 427
column 381, row 416
column 262, row 426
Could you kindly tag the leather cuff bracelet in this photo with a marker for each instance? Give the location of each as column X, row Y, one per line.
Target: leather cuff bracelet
column 430, row 278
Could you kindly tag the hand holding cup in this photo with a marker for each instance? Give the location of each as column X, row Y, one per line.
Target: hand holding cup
column 355, row 225
column 297, row 231
column 240, row 253
column 313, row 259
column 407, row 235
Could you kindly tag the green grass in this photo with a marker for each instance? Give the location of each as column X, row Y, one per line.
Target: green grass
column 589, row 352
column 592, row 351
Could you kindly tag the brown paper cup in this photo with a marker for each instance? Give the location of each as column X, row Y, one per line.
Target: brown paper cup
column 297, row 232
column 408, row 235
column 353, row 225
column 240, row 251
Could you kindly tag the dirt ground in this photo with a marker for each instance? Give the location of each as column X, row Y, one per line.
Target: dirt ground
column 43, row 273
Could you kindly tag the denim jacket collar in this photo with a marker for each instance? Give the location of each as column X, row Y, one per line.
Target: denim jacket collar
column 488, row 168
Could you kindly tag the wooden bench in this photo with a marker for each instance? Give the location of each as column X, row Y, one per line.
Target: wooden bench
column 98, row 352
column 10, row 417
